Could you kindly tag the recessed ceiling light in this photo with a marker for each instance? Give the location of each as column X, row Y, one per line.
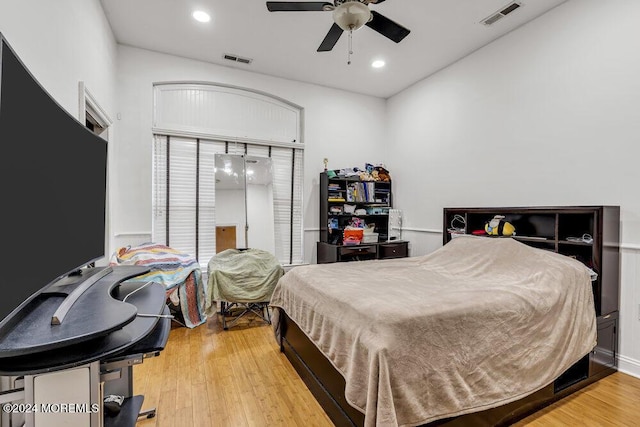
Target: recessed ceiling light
column 201, row 16
column 378, row 64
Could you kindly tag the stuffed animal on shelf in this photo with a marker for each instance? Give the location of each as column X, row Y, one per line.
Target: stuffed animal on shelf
column 365, row 176
column 383, row 174
column 499, row 227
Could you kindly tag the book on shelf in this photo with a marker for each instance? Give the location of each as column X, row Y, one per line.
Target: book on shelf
column 361, row 192
column 335, row 197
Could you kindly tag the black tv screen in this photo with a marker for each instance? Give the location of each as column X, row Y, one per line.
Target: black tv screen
column 53, row 180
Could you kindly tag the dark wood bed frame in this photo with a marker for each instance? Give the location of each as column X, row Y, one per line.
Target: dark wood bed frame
column 328, row 385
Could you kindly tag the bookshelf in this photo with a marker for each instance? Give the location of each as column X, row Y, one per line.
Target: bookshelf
column 343, row 199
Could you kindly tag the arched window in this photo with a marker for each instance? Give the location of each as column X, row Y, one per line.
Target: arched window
column 195, row 121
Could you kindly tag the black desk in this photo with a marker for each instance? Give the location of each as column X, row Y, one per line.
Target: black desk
column 328, row 253
column 97, row 312
column 100, row 330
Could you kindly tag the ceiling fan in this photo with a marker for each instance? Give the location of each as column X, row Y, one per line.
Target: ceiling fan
column 348, row 15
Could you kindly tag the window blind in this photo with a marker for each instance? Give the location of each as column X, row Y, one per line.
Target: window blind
column 194, row 121
column 184, row 194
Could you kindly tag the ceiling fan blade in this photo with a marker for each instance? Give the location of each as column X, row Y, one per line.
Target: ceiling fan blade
column 297, row 6
column 387, row 27
column 376, row 1
column 331, row 38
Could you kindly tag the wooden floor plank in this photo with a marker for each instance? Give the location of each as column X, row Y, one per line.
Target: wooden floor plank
column 210, row 377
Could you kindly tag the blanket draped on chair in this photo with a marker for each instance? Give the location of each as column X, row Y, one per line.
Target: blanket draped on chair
column 177, row 271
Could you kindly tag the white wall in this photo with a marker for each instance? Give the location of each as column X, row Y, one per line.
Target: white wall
column 547, row 115
column 62, row 43
column 230, row 211
column 260, row 217
column 345, row 127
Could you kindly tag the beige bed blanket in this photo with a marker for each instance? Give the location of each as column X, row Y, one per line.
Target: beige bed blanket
column 476, row 324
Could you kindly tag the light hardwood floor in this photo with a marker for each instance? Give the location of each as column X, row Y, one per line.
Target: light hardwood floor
column 210, row 377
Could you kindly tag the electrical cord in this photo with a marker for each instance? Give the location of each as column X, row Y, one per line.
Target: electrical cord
column 585, row 238
column 457, row 220
column 136, row 290
column 160, row 316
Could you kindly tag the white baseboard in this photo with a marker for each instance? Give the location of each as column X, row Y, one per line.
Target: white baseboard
column 629, row 366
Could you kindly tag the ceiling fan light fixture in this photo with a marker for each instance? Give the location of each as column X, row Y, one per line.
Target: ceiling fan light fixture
column 351, row 15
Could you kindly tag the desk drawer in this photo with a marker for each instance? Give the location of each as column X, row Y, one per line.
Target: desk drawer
column 346, row 253
column 394, row 250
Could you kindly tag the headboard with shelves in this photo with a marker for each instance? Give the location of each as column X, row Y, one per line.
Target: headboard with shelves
column 590, row 234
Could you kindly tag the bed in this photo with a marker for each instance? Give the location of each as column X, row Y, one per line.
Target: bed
column 475, row 333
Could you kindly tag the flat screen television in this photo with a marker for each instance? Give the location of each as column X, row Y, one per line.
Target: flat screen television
column 53, row 178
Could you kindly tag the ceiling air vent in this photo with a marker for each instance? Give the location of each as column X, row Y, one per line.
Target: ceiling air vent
column 501, row 13
column 236, row 58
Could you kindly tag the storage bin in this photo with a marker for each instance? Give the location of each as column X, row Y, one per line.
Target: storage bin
column 370, row 238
